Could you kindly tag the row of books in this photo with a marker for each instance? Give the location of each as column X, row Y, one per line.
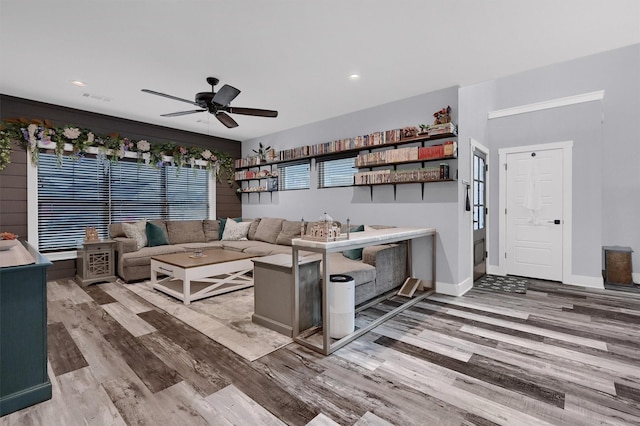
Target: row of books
column 446, row 150
column 250, row 174
column 357, row 142
column 249, row 162
column 428, row 174
column 389, row 156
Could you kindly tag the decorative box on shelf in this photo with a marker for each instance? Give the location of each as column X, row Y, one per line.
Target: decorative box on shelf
column 325, row 230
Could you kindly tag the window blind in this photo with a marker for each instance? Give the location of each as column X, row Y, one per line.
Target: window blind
column 334, row 172
column 70, row 198
column 294, row 175
column 96, row 192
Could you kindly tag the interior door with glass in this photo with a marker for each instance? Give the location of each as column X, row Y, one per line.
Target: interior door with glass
column 479, row 214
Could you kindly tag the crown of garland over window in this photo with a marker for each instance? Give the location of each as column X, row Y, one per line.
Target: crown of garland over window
column 76, row 142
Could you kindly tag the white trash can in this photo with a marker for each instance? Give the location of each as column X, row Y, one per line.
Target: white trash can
column 342, row 306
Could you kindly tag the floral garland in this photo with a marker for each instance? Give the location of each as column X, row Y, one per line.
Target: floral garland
column 34, row 134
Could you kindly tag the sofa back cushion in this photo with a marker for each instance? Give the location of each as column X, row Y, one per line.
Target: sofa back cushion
column 116, row 230
column 253, row 228
column 268, row 229
column 290, row 229
column 185, row 231
column 211, row 228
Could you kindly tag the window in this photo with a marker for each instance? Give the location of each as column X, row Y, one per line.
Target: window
column 293, row 175
column 95, row 192
column 479, row 182
column 336, row 172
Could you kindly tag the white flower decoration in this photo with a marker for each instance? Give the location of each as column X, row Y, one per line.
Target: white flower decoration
column 120, row 151
column 90, row 137
column 206, row 154
column 71, row 133
column 32, row 134
column 143, row 145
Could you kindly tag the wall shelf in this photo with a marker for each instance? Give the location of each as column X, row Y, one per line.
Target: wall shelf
column 374, row 152
column 419, row 138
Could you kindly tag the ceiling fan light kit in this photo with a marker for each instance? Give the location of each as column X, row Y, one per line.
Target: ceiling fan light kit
column 217, row 103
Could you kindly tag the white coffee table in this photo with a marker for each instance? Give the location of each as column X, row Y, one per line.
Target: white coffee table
column 189, row 278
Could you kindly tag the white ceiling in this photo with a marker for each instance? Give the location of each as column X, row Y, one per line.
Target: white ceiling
column 292, row 56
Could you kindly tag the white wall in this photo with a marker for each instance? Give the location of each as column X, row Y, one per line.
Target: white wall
column 606, row 155
column 438, row 209
column 606, row 161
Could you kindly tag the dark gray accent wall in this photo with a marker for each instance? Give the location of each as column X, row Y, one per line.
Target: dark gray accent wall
column 13, row 180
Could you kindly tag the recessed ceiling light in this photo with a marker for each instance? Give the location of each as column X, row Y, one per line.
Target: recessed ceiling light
column 354, row 76
column 78, row 83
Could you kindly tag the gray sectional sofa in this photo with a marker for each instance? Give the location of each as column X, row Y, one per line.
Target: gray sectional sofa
column 381, row 268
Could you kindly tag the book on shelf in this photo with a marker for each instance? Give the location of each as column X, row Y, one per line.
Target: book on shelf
column 440, row 129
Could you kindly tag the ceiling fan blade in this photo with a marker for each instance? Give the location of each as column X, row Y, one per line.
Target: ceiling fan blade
column 176, row 114
column 164, row 95
column 226, row 120
column 225, row 95
column 253, row 111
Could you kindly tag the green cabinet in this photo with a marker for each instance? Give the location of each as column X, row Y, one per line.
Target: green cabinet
column 23, row 334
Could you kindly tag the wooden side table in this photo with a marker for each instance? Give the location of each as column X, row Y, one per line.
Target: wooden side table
column 96, row 262
column 617, row 265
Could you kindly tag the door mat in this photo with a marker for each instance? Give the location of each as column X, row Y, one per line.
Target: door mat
column 498, row 283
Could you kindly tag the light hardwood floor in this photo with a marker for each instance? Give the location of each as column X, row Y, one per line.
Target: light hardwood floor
column 557, row 355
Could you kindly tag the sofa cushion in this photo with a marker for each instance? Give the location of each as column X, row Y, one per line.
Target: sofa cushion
column 211, row 229
column 185, row 231
column 290, row 229
column 354, row 254
column 359, row 271
column 268, row 229
column 235, row 231
column 208, row 245
column 137, row 231
column 143, row 256
column 156, row 235
column 253, row 228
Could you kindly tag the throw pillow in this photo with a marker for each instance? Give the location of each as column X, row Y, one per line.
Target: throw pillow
column 137, row 231
column 223, row 223
column 354, row 254
column 156, row 236
column 235, row 231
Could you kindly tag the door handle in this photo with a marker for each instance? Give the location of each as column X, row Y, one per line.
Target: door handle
column 555, row 222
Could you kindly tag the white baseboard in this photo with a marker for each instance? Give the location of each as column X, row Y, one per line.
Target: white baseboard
column 583, row 281
column 456, row 290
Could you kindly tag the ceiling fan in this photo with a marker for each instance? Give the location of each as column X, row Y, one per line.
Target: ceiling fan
column 216, row 103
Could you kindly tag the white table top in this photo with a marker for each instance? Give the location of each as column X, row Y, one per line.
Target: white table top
column 365, row 238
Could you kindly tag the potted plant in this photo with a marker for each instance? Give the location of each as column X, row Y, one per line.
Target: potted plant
column 262, row 151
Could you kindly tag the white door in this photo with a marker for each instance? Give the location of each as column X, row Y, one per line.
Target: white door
column 534, row 212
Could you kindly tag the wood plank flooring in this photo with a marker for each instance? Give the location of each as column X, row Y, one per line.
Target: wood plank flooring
column 557, row 355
